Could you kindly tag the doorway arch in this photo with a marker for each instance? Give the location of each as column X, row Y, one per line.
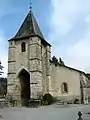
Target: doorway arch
column 24, row 78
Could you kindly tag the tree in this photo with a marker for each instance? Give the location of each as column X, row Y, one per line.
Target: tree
column 61, row 61
column 1, row 68
column 55, row 60
column 3, row 86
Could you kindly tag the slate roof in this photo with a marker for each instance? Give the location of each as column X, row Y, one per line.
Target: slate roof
column 29, row 28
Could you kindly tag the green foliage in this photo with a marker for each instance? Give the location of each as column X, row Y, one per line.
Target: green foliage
column 76, row 101
column 48, row 97
column 61, row 62
column 1, row 68
column 57, row 62
column 44, row 103
column 3, row 86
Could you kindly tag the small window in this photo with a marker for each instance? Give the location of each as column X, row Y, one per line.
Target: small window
column 64, row 88
column 23, row 47
column 11, row 43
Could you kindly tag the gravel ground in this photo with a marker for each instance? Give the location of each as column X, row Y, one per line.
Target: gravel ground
column 54, row 112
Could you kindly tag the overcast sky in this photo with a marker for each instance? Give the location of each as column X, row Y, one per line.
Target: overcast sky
column 64, row 23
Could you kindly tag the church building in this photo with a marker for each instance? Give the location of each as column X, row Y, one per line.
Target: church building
column 32, row 73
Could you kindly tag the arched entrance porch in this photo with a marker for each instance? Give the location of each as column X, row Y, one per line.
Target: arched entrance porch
column 24, row 78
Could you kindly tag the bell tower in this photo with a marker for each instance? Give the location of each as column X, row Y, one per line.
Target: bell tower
column 30, row 52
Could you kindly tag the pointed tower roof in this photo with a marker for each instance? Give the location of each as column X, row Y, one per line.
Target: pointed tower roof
column 29, row 28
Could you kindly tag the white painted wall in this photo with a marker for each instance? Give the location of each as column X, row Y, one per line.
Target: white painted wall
column 61, row 74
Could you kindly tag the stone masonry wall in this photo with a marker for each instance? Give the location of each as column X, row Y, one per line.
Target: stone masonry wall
column 35, row 60
column 46, row 55
column 35, row 66
column 29, row 60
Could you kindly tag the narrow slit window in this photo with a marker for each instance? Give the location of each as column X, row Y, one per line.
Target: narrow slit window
column 64, row 88
column 23, row 47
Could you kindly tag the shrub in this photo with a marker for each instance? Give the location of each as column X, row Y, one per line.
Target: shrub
column 76, row 101
column 48, row 97
column 44, row 103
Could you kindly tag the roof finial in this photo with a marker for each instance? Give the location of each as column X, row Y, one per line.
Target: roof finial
column 30, row 5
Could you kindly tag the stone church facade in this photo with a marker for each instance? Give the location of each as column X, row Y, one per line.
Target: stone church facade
column 69, row 84
column 32, row 75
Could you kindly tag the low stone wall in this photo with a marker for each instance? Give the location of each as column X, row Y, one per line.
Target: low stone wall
column 3, row 104
column 69, row 99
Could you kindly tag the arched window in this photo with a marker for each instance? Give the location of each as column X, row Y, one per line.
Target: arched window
column 23, row 47
column 64, row 88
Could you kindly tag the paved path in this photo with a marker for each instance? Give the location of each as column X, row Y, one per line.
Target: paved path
column 54, row 112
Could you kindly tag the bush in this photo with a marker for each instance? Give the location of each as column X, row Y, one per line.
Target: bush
column 44, row 103
column 48, row 97
column 76, row 101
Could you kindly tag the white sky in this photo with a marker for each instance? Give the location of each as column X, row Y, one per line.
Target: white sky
column 69, row 24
